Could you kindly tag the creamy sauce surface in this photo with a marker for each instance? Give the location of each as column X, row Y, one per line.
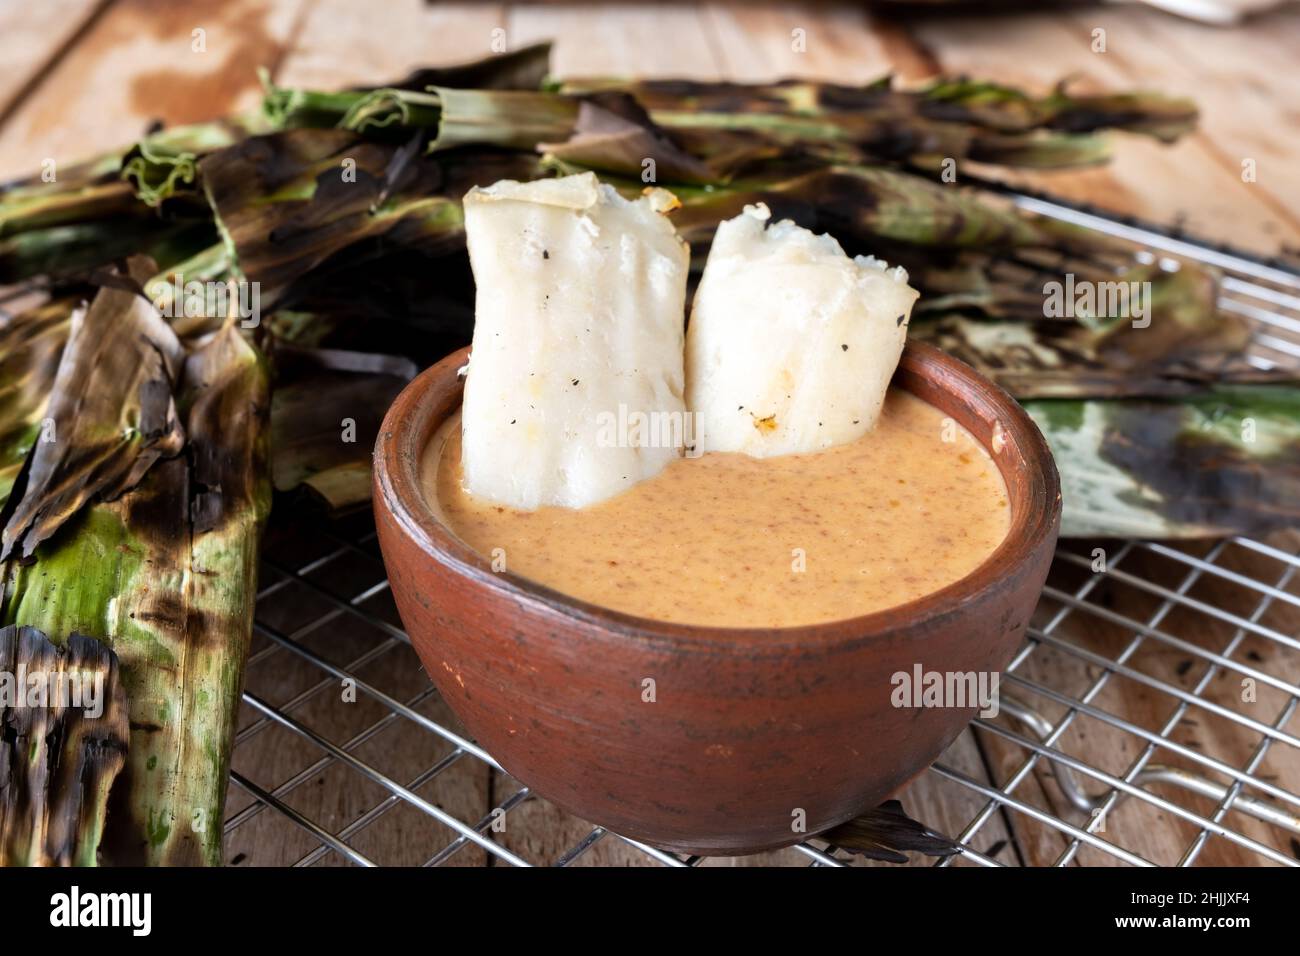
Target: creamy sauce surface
column 733, row 541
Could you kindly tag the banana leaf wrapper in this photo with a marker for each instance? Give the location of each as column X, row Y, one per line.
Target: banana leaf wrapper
column 986, row 105
column 887, row 834
column 141, row 200
column 125, row 190
column 165, row 573
column 69, row 253
column 31, row 344
column 111, row 414
column 523, row 69
column 326, row 410
column 710, row 132
column 392, row 200
column 1222, row 461
column 1182, row 345
column 328, row 189
column 59, row 755
column 731, row 126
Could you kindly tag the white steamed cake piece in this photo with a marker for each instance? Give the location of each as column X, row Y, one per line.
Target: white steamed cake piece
column 580, row 304
column 791, row 343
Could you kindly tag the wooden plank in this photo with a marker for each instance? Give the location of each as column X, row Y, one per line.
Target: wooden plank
column 343, row 43
column 761, row 43
column 619, row 39
column 33, row 38
column 1197, row 181
column 140, row 63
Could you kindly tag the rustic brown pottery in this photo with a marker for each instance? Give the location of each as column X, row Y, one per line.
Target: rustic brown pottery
column 751, row 732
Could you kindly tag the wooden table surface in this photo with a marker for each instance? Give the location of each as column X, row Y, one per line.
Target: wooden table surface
column 84, row 76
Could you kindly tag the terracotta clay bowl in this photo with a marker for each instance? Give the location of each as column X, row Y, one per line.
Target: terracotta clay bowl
column 752, row 731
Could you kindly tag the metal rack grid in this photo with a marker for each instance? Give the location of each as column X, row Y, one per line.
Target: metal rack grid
column 1183, row 652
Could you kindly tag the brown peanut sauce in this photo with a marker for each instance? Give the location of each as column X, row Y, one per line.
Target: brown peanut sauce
column 733, row 541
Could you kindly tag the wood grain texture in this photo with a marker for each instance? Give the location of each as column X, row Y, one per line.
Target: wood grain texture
column 343, row 43
column 1237, row 78
column 137, row 65
column 33, row 38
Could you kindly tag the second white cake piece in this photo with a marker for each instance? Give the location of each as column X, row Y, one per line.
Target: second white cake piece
column 791, row 343
column 579, row 312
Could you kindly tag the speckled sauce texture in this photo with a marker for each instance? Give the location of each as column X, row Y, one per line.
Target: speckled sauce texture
column 733, row 541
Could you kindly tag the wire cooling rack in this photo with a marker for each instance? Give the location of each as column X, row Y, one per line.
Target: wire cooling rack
column 1149, row 718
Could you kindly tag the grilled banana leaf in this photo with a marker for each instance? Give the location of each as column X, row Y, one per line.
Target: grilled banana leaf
column 31, row 344
column 64, row 716
column 1222, row 461
column 326, row 409
column 110, row 416
column 732, row 125
column 165, row 573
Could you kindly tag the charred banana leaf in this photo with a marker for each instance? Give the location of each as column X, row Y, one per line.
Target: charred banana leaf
column 1167, row 338
column 731, row 125
column 333, row 192
column 888, row 834
column 325, row 415
column 31, row 345
column 1223, row 461
column 64, row 720
column 111, row 414
column 166, row 572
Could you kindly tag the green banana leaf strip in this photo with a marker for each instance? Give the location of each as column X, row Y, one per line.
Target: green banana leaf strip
column 953, row 118
column 167, row 573
column 514, row 119
column 64, row 718
column 41, row 209
column 521, row 69
column 1223, row 461
column 157, row 173
column 69, row 252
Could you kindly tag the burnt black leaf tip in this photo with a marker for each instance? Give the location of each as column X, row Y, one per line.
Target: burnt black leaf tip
column 887, row 833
